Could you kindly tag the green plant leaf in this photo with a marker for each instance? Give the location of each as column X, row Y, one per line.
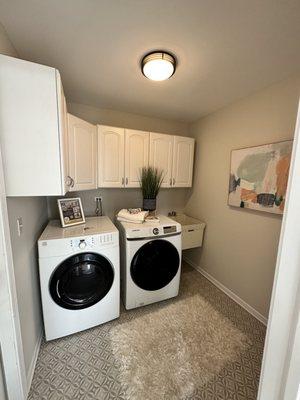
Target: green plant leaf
column 150, row 181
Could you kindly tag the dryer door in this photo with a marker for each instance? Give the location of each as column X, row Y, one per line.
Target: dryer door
column 81, row 281
column 155, row 264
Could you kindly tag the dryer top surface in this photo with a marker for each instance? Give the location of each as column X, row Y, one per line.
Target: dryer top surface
column 92, row 226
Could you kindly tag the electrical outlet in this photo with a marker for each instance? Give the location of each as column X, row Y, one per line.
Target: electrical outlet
column 20, row 226
column 98, row 197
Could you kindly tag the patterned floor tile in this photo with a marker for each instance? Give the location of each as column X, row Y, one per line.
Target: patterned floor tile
column 82, row 366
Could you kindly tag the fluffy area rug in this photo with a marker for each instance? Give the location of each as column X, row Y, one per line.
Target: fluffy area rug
column 169, row 352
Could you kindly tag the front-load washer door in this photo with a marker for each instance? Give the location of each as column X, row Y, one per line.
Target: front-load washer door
column 154, row 265
column 81, row 281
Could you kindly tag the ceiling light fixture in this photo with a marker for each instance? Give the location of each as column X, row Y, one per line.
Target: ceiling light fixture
column 158, row 65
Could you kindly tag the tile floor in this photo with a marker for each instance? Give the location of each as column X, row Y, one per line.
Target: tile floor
column 82, row 366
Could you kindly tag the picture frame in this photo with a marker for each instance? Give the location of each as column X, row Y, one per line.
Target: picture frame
column 259, row 176
column 70, row 211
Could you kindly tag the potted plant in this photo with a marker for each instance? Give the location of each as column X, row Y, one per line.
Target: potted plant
column 150, row 181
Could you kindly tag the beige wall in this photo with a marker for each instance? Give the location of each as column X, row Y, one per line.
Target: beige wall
column 240, row 245
column 6, row 46
column 127, row 120
column 34, row 214
column 115, row 199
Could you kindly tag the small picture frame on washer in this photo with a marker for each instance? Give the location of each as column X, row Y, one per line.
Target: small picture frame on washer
column 71, row 212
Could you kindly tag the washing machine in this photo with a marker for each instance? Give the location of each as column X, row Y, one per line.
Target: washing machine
column 150, row 261
column 79, row 272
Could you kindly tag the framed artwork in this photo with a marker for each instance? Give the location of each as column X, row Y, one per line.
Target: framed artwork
column 259, row 177
column 71, row 212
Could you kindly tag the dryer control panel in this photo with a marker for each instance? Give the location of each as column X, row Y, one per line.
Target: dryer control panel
column 165, row 227
column 170, row 229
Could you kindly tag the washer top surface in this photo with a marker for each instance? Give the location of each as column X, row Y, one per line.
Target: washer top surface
column 92, row 226
column 165, row 226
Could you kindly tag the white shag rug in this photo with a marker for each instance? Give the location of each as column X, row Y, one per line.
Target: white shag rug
column 168, row 352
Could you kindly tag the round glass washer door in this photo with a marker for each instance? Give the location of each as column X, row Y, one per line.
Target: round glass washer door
column 81, row 281
column 154, row 265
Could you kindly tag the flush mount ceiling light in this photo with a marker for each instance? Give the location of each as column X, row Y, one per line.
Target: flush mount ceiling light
column 158, row 65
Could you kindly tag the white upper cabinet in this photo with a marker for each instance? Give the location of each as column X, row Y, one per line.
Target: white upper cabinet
column 82, row 145
column 136, row 155
column 110, row 156
column 32, row 130
column 161, row 155
column 183, row 159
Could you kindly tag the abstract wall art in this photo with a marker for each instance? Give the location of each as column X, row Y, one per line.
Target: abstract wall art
column 259, row 176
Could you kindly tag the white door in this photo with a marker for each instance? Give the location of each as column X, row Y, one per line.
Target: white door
column 136, row 155
column 12, row 369
column 110, row 156
column 183, row 159
column 161, row 155
column 279, row 379
column 82, row 148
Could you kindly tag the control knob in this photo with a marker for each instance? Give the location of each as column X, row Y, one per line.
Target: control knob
column 155, row 231
column 82, row 244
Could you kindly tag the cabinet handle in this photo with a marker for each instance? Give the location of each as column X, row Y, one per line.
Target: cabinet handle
column 170, row 181
column 126, row 181
column 122, row 181
column 173, row 181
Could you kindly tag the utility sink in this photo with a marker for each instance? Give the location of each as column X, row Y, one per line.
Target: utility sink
column 192, row 230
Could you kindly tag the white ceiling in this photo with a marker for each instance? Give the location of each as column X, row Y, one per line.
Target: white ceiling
column 226, row 49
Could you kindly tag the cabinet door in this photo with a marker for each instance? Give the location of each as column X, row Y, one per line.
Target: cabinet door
column 82, row 146
column 161, row 155
column 183, row 158
column 111, row 156
column 31, row 129
column 63, row 127
column 136, row 155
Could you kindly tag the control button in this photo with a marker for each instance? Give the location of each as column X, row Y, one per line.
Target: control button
column 82, row 244
column 155, row 231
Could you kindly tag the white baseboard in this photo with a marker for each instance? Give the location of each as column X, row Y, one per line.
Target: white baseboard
column 227, row 291
column 33, row 361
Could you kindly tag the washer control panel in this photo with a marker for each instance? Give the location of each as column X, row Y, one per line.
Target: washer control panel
column 89, row 242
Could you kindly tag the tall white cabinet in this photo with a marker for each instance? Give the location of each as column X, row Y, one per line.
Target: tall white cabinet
column 82, row 154
column 33, row 128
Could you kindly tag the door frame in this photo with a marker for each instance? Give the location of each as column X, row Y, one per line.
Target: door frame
column 280, row 377
column 10, row 333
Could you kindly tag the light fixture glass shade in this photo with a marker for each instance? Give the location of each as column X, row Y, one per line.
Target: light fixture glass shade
column 158, row 66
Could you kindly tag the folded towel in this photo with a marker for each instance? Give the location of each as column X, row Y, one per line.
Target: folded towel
column 128, row 220
column 132, row 217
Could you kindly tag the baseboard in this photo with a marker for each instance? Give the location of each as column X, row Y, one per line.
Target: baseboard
column 33, row 361
column 227, row 291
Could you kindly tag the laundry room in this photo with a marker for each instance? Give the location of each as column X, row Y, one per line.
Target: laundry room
column 148, row 200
